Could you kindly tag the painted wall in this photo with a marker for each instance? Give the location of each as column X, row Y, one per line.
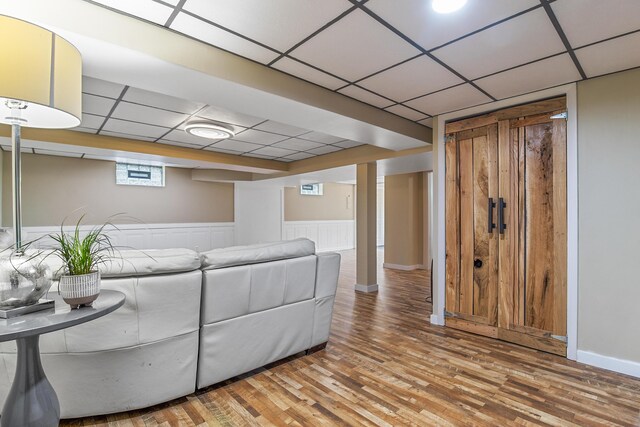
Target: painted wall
column 405, row 222
column 258, row 213
column 336, row 203
column 53, row 187
column 609, row 215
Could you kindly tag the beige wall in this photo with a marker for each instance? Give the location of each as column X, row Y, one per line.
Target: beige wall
column 335, row 204
column 53, row 187
column 609, row 215
column 405, row 219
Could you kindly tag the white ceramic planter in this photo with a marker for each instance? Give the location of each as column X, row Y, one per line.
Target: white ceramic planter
column 80, row 290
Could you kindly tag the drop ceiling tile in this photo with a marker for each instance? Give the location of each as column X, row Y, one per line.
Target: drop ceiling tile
column 149, row 115
column 427, row 122
column 145, row 9
column 207, row 33
column 179, row 144
column 298, row 69
column 158, row 100
column 365, row 96
column 413, row 78
column 90, row 121
column 126, row 135
column 354, row 47
column 259, row 156
column 417, row 20
column 223, row 116
column 297, row 144
column 56, row 153
column 528, row 78
column 613, row 55
column 455, row 98
column 230, row 144
column 26, row 150
column 285, row 159
column 258, row 137
column 324, row 150
column 131, row 128
column 96, row 104
column 299, row 156
column 405, row 112
column 588, row 21
column 222, row 150
column 184, row 137
column 85, row 130
column 273, row 151
column 279, row 24
column 348, row 144
column 520, row 40
column 280, row 128
column 321, row 137
column 101, row 87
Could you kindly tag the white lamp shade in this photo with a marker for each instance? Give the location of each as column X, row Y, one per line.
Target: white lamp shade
column 41, row 69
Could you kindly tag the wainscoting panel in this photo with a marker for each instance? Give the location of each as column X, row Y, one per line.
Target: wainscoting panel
column 198, row 236
column 327, row 235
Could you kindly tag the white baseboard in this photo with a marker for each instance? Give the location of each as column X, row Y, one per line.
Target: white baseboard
column 436, row 320
column 366, row 288
column 404, row 267
column 622, row 366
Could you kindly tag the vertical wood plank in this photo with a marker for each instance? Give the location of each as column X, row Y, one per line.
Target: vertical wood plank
column 522, row 230
column 480, row 217
column 560, row 226
column 465, row 152
column 492, row 267
column 505, row 269
column 452, row 226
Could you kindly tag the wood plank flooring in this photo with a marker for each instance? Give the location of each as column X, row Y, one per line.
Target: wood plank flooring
column 386, row 366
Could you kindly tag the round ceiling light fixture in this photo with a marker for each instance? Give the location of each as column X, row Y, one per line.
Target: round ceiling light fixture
column 447, row 6
column 204, row 129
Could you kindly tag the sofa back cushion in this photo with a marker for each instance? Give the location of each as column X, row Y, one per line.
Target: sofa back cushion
column 255, row 254
column 244, row 289
column 133, row 263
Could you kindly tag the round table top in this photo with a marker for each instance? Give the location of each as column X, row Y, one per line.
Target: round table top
column 41, row 322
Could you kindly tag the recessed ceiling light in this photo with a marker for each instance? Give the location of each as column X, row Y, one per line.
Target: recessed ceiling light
column 447, row 6
column 209, row 130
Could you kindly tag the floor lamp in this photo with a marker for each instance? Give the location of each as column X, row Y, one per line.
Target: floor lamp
column 40, row 87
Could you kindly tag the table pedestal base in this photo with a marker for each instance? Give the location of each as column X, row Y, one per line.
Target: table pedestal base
column 31, row 400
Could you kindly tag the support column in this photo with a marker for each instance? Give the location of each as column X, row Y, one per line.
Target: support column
column 366, row 256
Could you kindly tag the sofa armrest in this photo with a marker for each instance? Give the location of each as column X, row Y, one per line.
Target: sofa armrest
column 327, row 272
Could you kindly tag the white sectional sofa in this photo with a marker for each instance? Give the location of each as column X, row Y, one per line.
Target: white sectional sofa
column 189, row 320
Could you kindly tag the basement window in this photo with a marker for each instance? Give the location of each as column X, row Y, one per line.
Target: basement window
column 311, row 190
column 145, row 175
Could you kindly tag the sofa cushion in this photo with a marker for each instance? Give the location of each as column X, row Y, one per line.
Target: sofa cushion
column 129, row 263
column 254, row 254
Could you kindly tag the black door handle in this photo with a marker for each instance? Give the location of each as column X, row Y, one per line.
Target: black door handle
column 501, row 225
column 477, row 263
column 490, row 225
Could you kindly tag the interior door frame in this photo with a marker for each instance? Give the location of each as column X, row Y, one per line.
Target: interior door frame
column 439, row 246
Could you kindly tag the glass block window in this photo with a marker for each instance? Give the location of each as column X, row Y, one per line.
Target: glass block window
column 145, row 175
column 311, row 190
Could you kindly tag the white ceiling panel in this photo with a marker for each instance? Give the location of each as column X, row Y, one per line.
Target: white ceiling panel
column 520, row 40
column 297, row 144
column 299, row 156
column 132, row 128
column 273, row 151
column 96, row 104
column 413, row 78
column 321, row 137
column 348, row 144
column 101, row 87
column 85, row 130
column 56, row 153
column 225, row 116
column 182, row 136
column 230, row 144
column 405, row 112
column 258, row 137
column 528, row 78
column 279, row 24
column 613, row 55
column 149, row 115
column 351, row 48
column 259, row 156
column 280, row 128
column 145, row 9
column 365, row 96
column 158, row 100
column 207, row 33
column 91, row 122
column 305, row 72
column 222, row 150
column 417, row 20
column 324, row 150
column 449, row 100
column 427, row 122
column 588, row 21
column 127, row 135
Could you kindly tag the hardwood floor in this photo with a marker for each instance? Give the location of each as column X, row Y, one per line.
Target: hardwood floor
column 385, row 365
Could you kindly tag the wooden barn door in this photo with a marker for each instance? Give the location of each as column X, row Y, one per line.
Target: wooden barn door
column 506, row 225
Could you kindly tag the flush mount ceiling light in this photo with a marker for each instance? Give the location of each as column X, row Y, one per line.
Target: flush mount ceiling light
column 209, row 130
column 447, row 6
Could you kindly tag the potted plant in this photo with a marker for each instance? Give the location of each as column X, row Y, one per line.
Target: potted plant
column 81, row 255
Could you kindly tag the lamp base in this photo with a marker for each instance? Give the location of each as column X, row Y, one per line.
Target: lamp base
column 43, row 304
